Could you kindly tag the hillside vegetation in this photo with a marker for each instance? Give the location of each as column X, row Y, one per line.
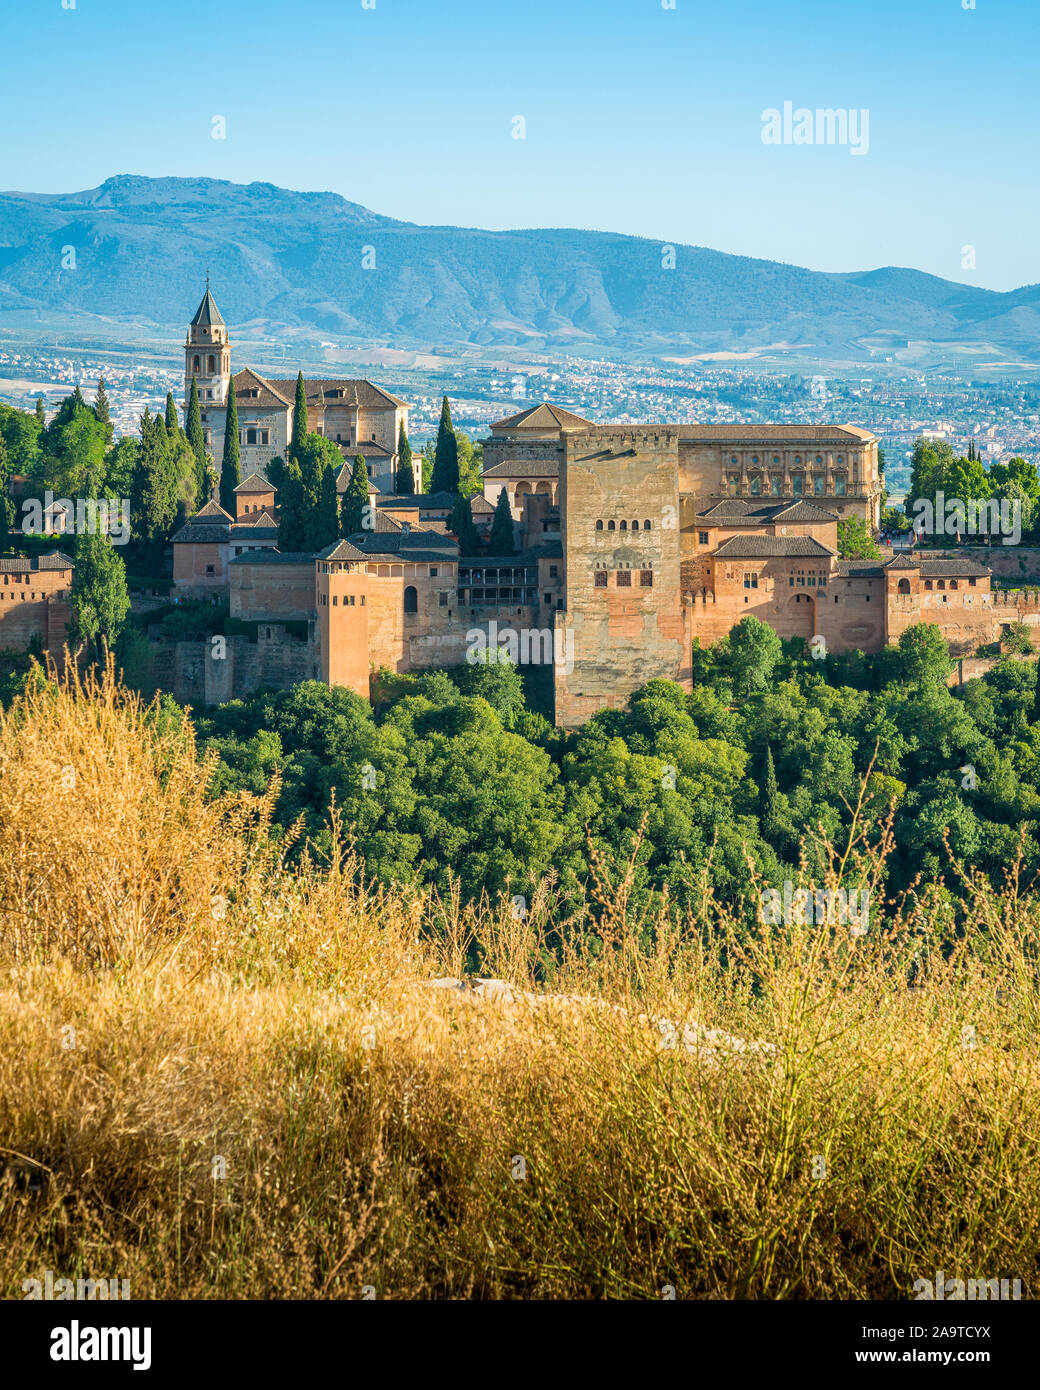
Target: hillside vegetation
column 282, row 257
column 225, row 1075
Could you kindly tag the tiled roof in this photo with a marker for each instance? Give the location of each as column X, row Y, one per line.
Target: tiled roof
column 267, row 393
column 512, row 468
column 850, row 435
column 953, row 569
column 207, row 315
column 860, row 569
column 274, row 557
column 480, row 504
column 737, row 510
column 251, row 531
column 212, row 511
column 23, row 564
column 356, row 391
column 405, row 546
column 211, row 525
column 201, row 533
column 256, row 482
column 340, row 550
column 764, row 547
column 544, row 416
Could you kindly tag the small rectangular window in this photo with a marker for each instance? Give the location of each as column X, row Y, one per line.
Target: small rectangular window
column 624, row 579
column 646, row 579
column 601, row 579
column 442, row 599
column 702, row 538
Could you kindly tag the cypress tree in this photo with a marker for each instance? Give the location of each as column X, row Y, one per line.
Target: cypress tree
column 7, row 507
column 355, row 500
column 172, row 423
column 299, row 418
column 98, row 598
column 197, row 440
column 77, row 396
column 41, row 414
column 501, row 542
column 463, row 527
column 327, row 529
column 101, row 409
column 446, row 459
column 291, row 527
column 230, row 464
column 405, row 481
column 154, row 493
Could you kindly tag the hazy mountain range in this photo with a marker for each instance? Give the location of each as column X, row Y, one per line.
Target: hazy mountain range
column 142, row 246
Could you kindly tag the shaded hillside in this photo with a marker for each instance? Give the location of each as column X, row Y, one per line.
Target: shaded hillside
column 279, row 257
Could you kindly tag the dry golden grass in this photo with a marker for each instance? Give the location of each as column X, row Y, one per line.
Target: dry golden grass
column 222, row 1077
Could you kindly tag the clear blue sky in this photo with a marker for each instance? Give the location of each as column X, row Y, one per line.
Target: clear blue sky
column 639, row 119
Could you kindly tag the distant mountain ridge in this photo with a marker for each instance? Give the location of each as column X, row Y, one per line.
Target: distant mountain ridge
column 277, row 257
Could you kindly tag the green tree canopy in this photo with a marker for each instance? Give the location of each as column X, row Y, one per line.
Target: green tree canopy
column 230, row 463
column 98, row 599
column 355, row 499
column 405, row 480
column 501, row 539
column 446, row 456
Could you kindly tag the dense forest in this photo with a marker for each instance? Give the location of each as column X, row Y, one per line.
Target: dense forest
column 452, row 777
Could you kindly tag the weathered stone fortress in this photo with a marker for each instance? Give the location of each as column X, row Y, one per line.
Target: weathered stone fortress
column 630, row 544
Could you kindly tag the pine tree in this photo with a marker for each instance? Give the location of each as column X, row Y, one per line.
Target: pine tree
column 172, row 422
column 355, row 500
column 463, row 527
column 501, row 542
column 230, row 464
column 77, row 396
column 405, row 481
column 41, row 414
column 446, row 459
column 98, row 598
column 299, row 419
column 197, row 440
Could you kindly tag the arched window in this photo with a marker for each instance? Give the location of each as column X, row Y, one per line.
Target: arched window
column 756, row 485
column 623, row 526
column 953, row 584
column 610, row 526
column 599, row 526
column 411, row 599
column 635, row 526
column 196, row 364
column 212, row 365
column 904, row 586
column 646, row 526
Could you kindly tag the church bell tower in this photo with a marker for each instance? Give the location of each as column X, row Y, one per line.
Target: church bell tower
column 207, row 354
